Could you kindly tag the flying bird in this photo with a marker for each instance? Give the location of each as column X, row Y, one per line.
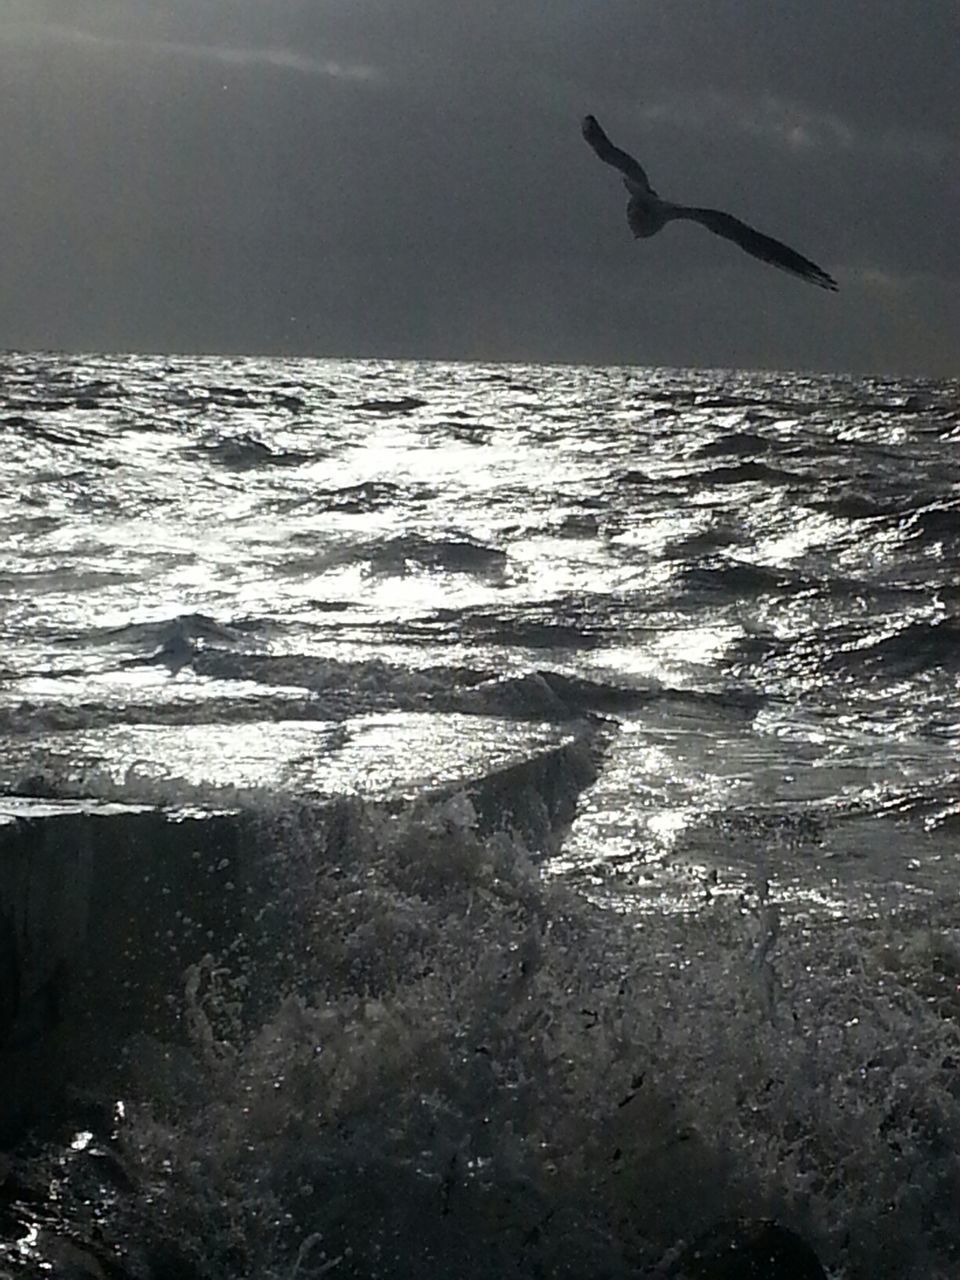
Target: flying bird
column 647, row 213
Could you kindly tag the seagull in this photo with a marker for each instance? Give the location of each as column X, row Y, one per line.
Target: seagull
column 647, row 213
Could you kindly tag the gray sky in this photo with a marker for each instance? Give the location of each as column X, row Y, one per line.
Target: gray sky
column 407, row 177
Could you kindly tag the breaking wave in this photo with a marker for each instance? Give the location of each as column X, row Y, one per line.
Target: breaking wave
column 418, row 1056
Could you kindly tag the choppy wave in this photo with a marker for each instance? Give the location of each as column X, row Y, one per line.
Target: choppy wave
column 936, row 522
column 402, row 404
column 749, row 473
column 919, row 646
column 460, row 809
column 740, row 580
column 455, row 555
column 746, row 444
column 240, row 453
column 166, row 631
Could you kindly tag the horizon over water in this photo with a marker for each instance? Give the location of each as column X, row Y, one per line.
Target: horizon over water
column 471, row 818
column 867, row 372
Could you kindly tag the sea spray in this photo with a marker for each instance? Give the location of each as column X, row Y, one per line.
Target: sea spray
column 476, row 1069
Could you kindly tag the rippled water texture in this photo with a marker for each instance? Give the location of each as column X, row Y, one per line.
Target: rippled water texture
column 756, row 573
column 691, row 643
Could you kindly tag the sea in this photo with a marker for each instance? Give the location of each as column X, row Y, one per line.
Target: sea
column 475, row 820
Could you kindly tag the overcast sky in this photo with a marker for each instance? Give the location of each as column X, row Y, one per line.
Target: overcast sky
column 407, row 177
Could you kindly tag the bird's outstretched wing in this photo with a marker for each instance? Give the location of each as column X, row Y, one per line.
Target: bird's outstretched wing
column 761, row 246
column 630, row 168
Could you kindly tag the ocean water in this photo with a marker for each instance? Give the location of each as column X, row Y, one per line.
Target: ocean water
column 472, row 820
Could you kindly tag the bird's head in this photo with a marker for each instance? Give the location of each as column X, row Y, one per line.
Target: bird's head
column 589, row 127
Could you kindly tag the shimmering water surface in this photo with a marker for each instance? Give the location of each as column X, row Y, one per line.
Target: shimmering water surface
column 635, row 694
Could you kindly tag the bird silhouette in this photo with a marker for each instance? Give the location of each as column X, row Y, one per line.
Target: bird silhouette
column 647, row 213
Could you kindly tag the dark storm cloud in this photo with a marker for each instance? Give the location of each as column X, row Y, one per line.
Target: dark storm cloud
column 381, row 176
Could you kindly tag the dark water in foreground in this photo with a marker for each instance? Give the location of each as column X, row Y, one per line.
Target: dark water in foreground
column 470, row 820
